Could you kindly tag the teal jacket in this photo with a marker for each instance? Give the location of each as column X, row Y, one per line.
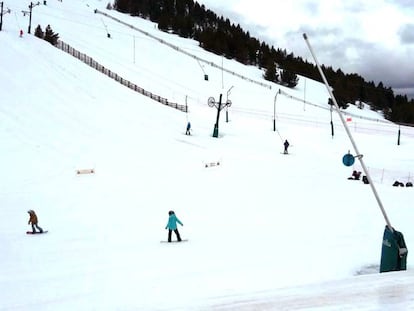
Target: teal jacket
column 172, row 222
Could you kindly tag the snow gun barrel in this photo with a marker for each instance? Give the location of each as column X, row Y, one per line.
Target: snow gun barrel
column 359, row 156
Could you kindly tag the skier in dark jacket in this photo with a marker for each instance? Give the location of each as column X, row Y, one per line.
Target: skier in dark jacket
column 286, row 144
column 188, row 130
column 172, row 226
column 33, row 221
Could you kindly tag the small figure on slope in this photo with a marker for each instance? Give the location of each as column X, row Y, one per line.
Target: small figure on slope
column 188, row 130
column 33, row 221
column 286, row 145
column 172, row 226
column 355, row 175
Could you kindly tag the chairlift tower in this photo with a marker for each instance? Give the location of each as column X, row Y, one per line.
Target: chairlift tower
column 31, row 5
column 2, row 12
column 219, row 105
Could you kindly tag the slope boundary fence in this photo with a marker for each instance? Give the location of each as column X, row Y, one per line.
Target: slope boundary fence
column 94, row 64
column 174, row 47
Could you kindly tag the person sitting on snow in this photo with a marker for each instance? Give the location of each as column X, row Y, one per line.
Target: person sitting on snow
column 355, row 175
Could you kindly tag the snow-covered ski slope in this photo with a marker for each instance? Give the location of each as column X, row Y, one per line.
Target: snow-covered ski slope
column 265, row 230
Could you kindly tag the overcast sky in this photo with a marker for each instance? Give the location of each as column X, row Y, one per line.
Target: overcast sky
column 373, row 38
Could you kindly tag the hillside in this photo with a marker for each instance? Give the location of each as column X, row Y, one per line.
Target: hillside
column 258, row 222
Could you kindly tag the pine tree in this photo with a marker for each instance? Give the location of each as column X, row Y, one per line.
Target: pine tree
column 50, row 36
column 271, row 73
column 39, row 32
column 164, row 22
column 121, row 5
column 289, row 78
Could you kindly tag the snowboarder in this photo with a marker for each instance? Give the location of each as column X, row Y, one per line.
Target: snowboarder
column 33, row 221
column 187, row 132
column 172, row 226
column 286, row 144
column 21, row 33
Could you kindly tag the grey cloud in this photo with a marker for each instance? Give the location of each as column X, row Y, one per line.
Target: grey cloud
column 355, row 6
column 407, row 34
column 383, row 65
column 312, row 7
column 377, row 64
column 372, row 61
column 402, row 3
column 326, row 48
column 319, row 31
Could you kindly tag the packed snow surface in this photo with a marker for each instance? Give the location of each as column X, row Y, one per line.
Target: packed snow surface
column 259, row 223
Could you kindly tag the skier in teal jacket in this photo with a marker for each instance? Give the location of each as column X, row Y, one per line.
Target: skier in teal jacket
column 172, row 226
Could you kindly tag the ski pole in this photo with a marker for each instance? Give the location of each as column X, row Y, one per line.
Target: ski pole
column 359, row 156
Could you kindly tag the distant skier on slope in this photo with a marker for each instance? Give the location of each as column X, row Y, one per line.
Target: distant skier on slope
column 172, row 226
column 286, row 145
column 34, row 221
column 188, row 130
